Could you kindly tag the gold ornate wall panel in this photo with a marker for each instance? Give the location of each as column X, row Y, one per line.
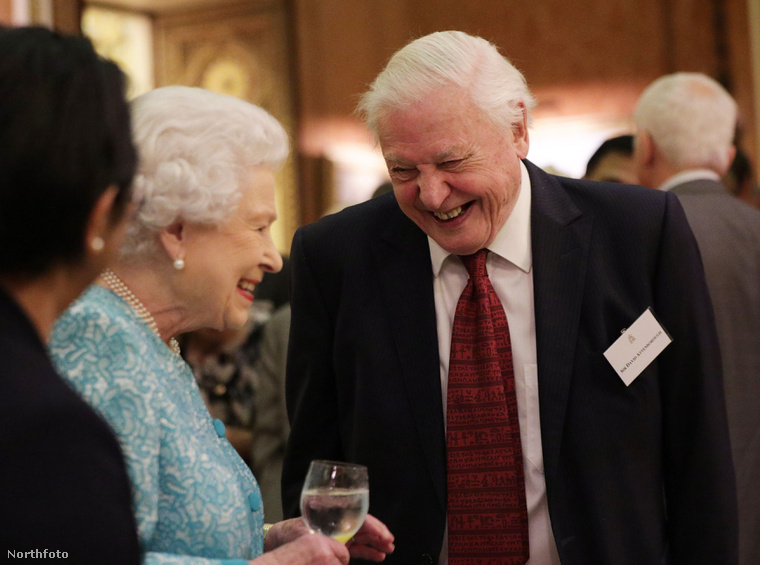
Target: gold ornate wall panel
column 127, row 39
column 554, row 42
column 753, row 10
column 6, row 15
column 740, row 25
column 241, row 50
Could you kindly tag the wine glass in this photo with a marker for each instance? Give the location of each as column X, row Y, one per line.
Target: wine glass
column 335, row 498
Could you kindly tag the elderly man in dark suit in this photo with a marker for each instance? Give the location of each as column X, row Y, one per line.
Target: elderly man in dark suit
column 686, row 125
column 582, row 460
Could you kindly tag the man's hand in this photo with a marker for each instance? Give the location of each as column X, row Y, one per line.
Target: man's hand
column 309, row 549
column 373, row 541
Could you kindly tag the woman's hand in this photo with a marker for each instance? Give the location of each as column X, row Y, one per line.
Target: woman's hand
column 373, row 541
column 284, row 532
column 309, row 549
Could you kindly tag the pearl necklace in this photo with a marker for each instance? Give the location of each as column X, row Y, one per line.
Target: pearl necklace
column 122, row 290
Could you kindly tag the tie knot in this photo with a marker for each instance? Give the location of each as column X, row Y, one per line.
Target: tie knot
column 476, row 263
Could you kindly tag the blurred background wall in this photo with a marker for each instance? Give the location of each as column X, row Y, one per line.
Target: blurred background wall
column 307, row 61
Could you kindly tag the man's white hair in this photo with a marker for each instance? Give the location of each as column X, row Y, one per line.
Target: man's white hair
column 196, row 151
column 449, row 58
column 691, row 119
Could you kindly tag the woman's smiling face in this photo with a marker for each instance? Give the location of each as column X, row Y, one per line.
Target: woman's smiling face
column 226, row 262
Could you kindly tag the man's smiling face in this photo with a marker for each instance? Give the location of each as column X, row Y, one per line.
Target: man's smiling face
column 454, row 173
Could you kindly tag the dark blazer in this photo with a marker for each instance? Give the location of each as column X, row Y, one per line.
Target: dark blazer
column 634, row 475
column 728, row 234
column 63, row 485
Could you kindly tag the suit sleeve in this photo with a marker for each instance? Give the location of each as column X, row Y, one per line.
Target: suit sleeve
column 310, row 384
column 699, row 477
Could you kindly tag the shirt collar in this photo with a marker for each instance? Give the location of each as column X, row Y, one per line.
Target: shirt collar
column 513, row 240
column 688, row 176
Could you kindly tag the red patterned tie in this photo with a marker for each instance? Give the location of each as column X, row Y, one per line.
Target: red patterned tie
column 487, row 514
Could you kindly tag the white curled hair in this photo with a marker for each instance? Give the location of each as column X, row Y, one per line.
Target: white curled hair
column 691, row 119
column 449, row 58
column 196, row 149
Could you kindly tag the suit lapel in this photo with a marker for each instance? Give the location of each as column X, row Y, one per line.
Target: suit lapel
column 561, row 237
column 406, row 276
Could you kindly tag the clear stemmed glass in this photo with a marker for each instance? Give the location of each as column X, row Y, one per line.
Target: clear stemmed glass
column 335, row 498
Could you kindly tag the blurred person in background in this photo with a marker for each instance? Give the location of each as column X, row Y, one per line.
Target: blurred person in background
column 613, row 161
column 66, row 165
column 740, row 179
column 684, row 144
column 382, row 189
column 199, row 244
column 271, row 427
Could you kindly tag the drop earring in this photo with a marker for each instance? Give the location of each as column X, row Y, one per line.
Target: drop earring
column 179, row 264
column 97, row 244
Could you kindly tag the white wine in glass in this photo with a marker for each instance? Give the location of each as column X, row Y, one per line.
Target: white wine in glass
column 335, row 498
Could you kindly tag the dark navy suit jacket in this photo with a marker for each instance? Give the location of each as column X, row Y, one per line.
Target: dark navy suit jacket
column 63, row 484
column 635, row 475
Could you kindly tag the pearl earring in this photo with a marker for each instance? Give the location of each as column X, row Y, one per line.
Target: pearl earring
column 179, row 264
column 97, row 244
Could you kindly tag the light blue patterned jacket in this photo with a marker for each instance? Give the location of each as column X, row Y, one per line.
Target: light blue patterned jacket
column 196, row 501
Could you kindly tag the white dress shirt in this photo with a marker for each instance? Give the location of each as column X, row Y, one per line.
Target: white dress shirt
column 688, row 176
column 509, row 267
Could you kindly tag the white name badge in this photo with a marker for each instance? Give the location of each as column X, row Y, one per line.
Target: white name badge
column 639, row 345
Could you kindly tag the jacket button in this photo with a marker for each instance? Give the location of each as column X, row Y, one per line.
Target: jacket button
column 426, row 559
column 254, row 500
column 219, row 427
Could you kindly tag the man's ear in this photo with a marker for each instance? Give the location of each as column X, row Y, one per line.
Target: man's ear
column 520, row 135
column 645, row 147
column 729, row 160
column 173, row 239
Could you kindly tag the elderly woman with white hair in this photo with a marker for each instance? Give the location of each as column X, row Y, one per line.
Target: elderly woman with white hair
column 197, row 247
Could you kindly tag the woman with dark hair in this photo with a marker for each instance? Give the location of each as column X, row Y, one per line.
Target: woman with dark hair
column 66, row 165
